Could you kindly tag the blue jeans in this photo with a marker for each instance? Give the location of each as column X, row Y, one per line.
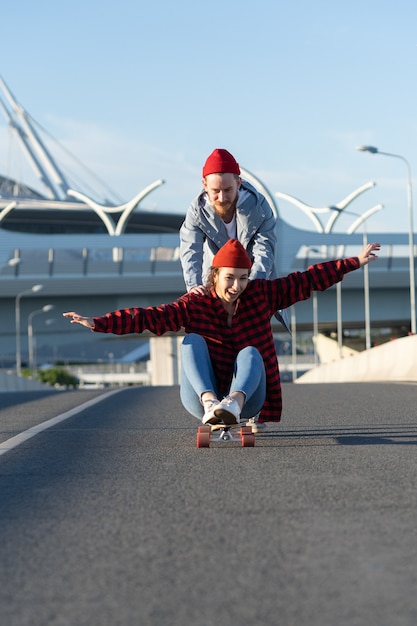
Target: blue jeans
column 197, row 376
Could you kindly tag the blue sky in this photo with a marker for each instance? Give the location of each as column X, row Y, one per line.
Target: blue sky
column 141, row 90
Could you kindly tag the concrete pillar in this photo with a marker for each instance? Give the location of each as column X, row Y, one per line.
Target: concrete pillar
column 165, row 356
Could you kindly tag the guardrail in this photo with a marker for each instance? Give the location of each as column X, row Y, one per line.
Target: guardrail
column 93, row 261
column 141, row 260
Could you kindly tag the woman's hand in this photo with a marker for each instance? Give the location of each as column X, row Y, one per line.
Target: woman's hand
column 367, row 255
column 80, row 319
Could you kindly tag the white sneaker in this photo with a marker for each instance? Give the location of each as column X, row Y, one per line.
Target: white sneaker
column 257, row 427
column 228, row 411
column 209, row 417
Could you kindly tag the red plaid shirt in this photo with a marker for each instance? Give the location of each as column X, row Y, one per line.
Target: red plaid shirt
column 251, row 325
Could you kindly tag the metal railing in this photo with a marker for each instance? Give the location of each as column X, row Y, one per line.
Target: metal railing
column 91, row 261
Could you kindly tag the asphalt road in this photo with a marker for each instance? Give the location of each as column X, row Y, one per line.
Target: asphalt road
column 113, row 517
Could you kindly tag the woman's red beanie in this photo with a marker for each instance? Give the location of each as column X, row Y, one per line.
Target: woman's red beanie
column 232, row 254
column 221, row 161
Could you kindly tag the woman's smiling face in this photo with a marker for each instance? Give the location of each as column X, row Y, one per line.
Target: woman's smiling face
column 230, row 283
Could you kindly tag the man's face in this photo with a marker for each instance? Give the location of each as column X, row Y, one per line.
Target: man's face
column 222, row 191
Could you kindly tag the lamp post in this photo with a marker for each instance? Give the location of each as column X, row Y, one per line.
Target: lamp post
column 44, row 309
column 293, row 344
column 373, row 150
column 339, row 324
column 315, row 327
column 315, row 309
column 19, row 296
column 362, row 220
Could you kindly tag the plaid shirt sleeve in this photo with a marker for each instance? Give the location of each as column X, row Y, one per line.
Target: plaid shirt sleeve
column 158, row 320
column 298, row 286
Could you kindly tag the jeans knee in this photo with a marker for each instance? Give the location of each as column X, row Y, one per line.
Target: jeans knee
column 252, row 353
column 193, row 338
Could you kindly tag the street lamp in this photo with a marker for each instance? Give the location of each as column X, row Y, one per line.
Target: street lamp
column 373, row 150
column 11, row 262
column 33, row 289
column 44, row 309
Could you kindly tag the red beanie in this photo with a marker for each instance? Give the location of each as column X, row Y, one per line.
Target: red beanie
column 232, row 254
column 220, row 161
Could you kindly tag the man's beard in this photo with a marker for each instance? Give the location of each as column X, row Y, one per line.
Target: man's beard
column 225, row 209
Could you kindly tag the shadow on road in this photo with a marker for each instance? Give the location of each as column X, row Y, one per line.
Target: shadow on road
column 380, row 435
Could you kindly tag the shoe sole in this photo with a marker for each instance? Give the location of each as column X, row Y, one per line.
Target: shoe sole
column 213, row 420
column 226, row 417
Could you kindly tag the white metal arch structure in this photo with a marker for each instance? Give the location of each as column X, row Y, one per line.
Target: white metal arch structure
column 336, row 209
column 261, row 187
column 49, row 173
column 7, row 210
column 308, row 210
column 362, row 218
column 126, row 209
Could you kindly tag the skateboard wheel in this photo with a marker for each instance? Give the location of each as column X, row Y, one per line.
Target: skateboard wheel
column 247, row 437
column 203, row 436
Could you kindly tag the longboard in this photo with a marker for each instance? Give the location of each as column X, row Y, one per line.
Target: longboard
column 206, row 436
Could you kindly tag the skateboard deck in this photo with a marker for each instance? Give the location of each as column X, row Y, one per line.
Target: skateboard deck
column 226, row 434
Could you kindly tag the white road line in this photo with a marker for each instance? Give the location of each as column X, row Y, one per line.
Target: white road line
column 15, row 441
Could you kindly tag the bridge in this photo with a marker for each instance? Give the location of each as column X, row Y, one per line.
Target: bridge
column 145, row 270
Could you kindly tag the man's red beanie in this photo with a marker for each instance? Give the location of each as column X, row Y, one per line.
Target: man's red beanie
column 220, row 161
column 232, row 254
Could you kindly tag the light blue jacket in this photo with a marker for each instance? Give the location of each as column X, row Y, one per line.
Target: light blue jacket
column 203, row 233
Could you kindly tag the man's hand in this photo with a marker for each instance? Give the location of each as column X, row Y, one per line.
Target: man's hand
column 200, row 290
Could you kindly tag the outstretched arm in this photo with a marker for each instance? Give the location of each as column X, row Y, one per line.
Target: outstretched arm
column 80, row 319
column 367, row 255
column 158, row 320
column 298, row 286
